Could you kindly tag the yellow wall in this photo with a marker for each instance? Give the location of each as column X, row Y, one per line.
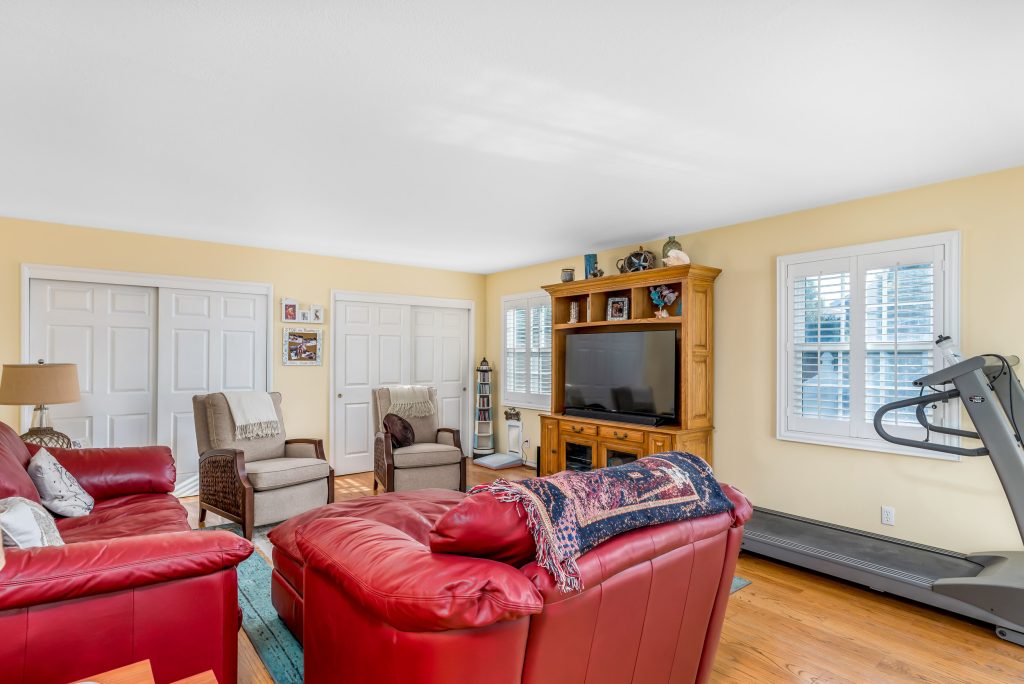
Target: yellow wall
column 304, row 277
column 953, row 505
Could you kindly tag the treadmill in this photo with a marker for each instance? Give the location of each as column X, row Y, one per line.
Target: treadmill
column 985, row 586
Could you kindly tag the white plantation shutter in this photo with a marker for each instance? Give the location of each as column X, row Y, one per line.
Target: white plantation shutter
column 527, row 351
column 857, row 326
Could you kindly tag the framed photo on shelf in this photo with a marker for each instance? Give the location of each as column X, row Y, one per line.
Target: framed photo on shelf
column 303, row 315
column 618, row 309
column 316, row 313
column 289, row 310
column 302, row 347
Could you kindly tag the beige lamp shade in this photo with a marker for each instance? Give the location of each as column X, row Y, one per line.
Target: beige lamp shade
column 39, row 383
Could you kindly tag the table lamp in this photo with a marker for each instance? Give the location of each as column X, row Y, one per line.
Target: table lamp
column 39, row 384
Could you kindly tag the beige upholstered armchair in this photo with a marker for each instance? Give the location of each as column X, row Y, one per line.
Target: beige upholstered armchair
column 256, row 481
column 434, row 460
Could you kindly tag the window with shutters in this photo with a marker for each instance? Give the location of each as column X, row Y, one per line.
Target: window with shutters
column 526, row 359
column 857, row 326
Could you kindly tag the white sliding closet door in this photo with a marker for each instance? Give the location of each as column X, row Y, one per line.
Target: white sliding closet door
column 380, row 344
column 208, row 342
column 439, row 340
column 110, row 332
column 371, row 349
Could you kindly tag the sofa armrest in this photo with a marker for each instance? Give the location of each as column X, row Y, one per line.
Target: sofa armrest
column 57, row 573
column 449, row 434
column 404, row 584
column 304, row 448
column 742, row 508
column 108, row 473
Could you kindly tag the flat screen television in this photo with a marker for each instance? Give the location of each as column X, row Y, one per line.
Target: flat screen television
column 626, row 376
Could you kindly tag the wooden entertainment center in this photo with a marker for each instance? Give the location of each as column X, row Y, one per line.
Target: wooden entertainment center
column 606, row 442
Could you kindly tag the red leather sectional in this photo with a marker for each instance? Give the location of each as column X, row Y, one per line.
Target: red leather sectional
column 359, row 582
column 132, row 581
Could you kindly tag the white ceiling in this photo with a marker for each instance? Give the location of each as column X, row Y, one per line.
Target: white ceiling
column 479, row 135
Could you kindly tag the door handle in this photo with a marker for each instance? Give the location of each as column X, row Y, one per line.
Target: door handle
column 339, row 395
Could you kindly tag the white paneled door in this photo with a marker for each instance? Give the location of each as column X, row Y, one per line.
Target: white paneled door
column 209, row 342
column 440, row 337
column 381, row 344
column 371, row 349
column 109, row 331
column 142, row 353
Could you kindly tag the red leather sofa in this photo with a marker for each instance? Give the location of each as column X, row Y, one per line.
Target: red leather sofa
column 359, row 583
column 131, row 582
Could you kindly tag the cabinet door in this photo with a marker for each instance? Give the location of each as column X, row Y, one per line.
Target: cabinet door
column 577, row 453
column 658, row 443
column 618, row 453
column 548, row 446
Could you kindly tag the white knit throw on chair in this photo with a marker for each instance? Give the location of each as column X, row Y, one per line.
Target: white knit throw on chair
column 254, row 414
column 411, row 401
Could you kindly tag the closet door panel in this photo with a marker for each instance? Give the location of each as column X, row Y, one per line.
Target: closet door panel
column 209, row 342
column 109, row 332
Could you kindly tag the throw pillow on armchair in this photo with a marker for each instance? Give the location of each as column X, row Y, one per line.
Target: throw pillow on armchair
column 402, row 434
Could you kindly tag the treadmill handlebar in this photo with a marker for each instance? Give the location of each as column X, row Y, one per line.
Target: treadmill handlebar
column 992, row 366
column 920, row 402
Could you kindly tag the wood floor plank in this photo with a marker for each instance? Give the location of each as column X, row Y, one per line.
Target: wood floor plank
column 791, row 625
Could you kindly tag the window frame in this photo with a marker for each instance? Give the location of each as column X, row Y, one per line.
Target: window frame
column 947, row 276
column 528, row 400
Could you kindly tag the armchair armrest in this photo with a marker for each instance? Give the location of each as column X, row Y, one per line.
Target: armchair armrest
column 304, row 448
column 449, row 433
column 383, row 460
column 223, row 483
column 57, row 573
column 403, row 583
column 310, row 448
column 107, row 473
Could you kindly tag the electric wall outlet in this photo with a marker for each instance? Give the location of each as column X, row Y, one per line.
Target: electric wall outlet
column 888, row 515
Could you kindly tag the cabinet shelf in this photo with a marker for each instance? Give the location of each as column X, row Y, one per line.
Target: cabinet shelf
column 675, row 320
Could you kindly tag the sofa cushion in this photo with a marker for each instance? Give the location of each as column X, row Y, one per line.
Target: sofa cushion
column 58, row 489
column 401, row 432
column 484, row 527
column 109, row 472
column 274, row 473
column 414, row 513
column 126, row 516
column 220, row 427
column 14, row 458
column 421, row 455
column 401, row 583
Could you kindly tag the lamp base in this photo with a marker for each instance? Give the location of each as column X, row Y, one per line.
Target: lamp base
column 47, row 437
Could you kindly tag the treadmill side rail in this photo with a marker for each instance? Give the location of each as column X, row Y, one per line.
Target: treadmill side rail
column 999, row 588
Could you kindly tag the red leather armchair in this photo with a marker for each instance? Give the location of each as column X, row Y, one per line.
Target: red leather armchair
column 132, row 581
column 380, row 606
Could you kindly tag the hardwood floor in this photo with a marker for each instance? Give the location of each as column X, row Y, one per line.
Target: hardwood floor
column 790, row 625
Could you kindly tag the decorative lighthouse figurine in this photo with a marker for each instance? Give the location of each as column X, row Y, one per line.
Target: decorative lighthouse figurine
column 483, row 437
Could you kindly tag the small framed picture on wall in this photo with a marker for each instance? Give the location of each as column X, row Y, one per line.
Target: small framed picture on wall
column 302, row 347
column 289, row 310
column 316, row 313
column 303, row 315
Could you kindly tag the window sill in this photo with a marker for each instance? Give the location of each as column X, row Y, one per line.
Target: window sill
column 875, row 445
column 545, row 407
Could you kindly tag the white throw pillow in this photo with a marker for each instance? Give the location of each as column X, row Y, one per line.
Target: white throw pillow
column 58, row 489
column 25, row 524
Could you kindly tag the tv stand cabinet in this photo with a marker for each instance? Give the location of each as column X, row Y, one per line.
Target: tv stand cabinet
column 582, row 443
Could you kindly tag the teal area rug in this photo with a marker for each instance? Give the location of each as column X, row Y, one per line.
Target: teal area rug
column 277, row 648
column 738, row 583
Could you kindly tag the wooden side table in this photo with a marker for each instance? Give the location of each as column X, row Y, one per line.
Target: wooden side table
column 142, row 673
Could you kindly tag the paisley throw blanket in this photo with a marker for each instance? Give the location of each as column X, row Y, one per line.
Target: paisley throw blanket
column 570, row 513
